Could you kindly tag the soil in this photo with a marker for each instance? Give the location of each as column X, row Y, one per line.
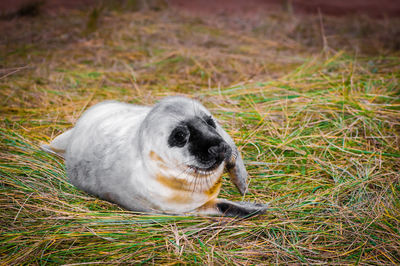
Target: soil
column 373, row 8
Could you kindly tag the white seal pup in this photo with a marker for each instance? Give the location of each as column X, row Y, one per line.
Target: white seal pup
column 163, row 159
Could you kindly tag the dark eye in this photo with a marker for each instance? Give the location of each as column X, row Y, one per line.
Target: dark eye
column 178, row 137
column 210, row 121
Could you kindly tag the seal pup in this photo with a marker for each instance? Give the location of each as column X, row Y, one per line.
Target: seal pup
column 163, row 159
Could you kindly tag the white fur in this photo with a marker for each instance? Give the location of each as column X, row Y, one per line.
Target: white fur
column 108, row 154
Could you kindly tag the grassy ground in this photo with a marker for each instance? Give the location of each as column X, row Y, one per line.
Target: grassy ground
column 312, row 102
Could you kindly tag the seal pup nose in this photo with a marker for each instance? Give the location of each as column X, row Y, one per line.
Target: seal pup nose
column 221, row 151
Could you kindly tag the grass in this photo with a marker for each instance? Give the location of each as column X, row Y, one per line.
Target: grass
column 314, row 106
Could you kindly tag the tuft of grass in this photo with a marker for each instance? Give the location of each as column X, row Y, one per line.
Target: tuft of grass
column 317, row 123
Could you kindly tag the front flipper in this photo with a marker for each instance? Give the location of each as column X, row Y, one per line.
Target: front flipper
column 223, row 207
column 235, row 166
column 237, row 172
column 240, row 209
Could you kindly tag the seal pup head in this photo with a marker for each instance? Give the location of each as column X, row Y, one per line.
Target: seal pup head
column 184, row 134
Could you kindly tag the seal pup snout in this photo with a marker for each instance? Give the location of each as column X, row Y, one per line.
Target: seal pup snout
column 221, row 152
column 206, row 145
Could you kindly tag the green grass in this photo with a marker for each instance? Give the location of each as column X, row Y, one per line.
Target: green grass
column 318, row 129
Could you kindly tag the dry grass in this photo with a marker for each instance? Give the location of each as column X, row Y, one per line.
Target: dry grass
column 313, row 104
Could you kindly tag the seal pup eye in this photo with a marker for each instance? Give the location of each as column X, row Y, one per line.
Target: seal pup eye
column 179, row 137
column 210, row 121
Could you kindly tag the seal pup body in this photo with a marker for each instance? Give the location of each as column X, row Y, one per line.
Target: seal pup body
column 163, row 159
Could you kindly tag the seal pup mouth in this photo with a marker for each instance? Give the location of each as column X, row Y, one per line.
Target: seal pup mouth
column 216, row 155
column 220, row 153
column 204, row 170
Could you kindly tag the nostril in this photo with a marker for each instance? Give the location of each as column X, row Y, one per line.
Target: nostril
column 227, row 151
column 221, row 151
column 224, row 147
column 213, row 150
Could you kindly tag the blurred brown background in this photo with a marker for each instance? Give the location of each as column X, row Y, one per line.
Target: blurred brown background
column 373, row 8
